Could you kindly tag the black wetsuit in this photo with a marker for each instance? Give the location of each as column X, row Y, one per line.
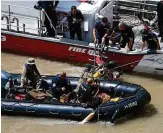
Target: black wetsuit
column 85, row 93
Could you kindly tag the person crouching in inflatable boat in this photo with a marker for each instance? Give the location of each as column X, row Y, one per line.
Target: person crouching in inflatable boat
column 87, row 91
column 30, row 74
column 62, row 85
column 89, row 95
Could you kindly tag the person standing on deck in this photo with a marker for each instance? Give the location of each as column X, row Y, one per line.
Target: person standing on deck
column 160, row 18
column 50, row 9
column 75, row 17
column 101, row 31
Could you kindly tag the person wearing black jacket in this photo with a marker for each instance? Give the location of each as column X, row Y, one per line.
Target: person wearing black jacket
column 75, row 18
column 160, row 18
column 49, row 8
column 151, row 40
column 127, row 35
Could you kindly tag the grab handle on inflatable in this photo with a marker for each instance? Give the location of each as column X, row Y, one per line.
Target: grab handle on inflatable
column 31, row 110
column 53, row 112
column 9, row 109
column 76, row 114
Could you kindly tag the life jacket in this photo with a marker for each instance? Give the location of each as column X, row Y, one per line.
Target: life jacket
column 30, row 72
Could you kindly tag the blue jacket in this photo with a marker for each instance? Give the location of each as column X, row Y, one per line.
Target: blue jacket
column 60, row 82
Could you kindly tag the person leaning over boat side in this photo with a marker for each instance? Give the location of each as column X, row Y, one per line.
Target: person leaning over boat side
column 31, row 74
column 50, row 9
column 101, row 31
column 75, row 17
column 151, row 39
column 127, row 35
column 160, row 18
column 62, row 85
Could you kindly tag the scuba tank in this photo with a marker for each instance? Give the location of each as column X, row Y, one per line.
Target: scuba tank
column 98, row 74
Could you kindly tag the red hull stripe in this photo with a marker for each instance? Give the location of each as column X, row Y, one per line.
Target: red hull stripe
column 57, row 50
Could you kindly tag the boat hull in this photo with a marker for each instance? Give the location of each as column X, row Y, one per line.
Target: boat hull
column 135, row 97
column 79, row 54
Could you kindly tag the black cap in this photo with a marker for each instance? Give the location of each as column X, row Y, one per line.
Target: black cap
column 104, row 20
column 73, row 8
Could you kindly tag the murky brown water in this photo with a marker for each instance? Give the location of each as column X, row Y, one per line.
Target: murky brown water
column 149, row 121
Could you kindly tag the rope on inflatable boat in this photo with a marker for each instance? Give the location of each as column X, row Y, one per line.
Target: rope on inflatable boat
column 115, row 88
column 17, row 102
column 134, row 72
column 98, row 108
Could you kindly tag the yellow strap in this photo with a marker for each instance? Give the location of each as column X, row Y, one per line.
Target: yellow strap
column 115, row 99
column 97, row 75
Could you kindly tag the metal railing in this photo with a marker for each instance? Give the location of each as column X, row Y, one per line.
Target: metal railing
column 12, row 16
column 146, row 8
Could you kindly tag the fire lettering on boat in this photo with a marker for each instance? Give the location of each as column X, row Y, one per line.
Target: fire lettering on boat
column 77, row 49
column 81, row 50
column 91, row 52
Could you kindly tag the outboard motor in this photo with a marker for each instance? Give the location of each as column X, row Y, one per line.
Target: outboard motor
column 4, row 79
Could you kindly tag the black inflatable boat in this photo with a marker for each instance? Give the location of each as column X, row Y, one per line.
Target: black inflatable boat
column 133, row 96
